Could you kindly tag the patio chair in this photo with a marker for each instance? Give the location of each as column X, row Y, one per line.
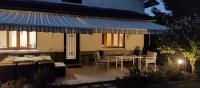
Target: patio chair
column 24, row 69
column 6, row 72
column 101, row 60
column 45, row 67
column 44, row 64
column 150, row 59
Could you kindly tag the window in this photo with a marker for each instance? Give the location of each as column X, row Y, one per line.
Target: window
column 17, row 40
column 113, row 40
column 12, row 37
column 73, row 1
column 3, row 39
column 32, row 40
column 23, row 39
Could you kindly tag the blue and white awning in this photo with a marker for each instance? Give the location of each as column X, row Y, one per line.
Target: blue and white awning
column 53, row 22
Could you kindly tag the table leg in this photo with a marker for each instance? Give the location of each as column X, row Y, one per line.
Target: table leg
column 15, row 70
column 121, row 63
column 116, row 62
column 133, row 61
column 140, row 62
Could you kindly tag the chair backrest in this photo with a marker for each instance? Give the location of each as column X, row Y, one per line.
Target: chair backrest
column 151, row 54
column 97, row 56
column 137, row 52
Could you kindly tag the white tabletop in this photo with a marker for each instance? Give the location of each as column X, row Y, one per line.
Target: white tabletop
column 14, row 59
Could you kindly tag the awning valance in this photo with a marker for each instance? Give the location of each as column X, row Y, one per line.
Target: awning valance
column 52, row 22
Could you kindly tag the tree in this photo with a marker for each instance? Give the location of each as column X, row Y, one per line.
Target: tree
column 161, row 17
column 182, row 8
column 192, row 54
column 184, row 24
column 183, row 37
column 150, row 3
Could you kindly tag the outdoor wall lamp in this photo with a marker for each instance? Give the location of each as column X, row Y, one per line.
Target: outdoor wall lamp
column 180, row 61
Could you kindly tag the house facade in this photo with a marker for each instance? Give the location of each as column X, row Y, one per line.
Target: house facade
column 71, row 30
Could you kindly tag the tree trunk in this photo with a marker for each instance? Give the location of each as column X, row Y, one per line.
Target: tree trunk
column 193, row 67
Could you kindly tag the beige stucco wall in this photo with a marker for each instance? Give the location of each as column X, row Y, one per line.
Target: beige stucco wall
column 54, row 42
column 90, row 42
column 93, row 42
column 50, row 42
column 134, row 41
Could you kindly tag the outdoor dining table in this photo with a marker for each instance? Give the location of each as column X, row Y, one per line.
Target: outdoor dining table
column 33, row 59
column 123, row 58
column 26, row 59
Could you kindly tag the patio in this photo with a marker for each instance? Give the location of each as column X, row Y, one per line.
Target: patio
column 88, row 74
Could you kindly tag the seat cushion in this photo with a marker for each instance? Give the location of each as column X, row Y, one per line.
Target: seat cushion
column 59, row 64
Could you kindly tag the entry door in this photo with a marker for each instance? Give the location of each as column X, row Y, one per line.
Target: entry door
column 71, row 47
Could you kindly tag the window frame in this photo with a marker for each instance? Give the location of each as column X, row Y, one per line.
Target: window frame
column 104, row 40
column 18, row 47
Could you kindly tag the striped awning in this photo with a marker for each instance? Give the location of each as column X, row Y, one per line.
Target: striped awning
column 53, row 22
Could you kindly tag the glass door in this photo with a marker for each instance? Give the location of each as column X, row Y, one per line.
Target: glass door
column 71, row 46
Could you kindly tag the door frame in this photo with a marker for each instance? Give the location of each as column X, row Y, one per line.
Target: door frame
column 73, row 62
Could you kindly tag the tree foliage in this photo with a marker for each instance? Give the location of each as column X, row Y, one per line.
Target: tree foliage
column 183, row 37
column 181, row 8
column 184, row 24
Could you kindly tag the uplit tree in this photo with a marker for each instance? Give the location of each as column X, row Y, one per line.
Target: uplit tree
column 184, row 24
column 183, row 37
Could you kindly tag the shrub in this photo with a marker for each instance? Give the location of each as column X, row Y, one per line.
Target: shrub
column 197, row 66
column 135, row 79
column 156, row 77
column 138, row 79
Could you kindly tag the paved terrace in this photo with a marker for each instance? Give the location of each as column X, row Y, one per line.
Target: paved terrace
column 88, row 74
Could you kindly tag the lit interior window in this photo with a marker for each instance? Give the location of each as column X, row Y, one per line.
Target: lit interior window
column 17, row 40
column 121, row 40
column 12, row 39
column 109, row 39
column 23, row 39
column 3, row 39
column 32, row 39
column 115, row 39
